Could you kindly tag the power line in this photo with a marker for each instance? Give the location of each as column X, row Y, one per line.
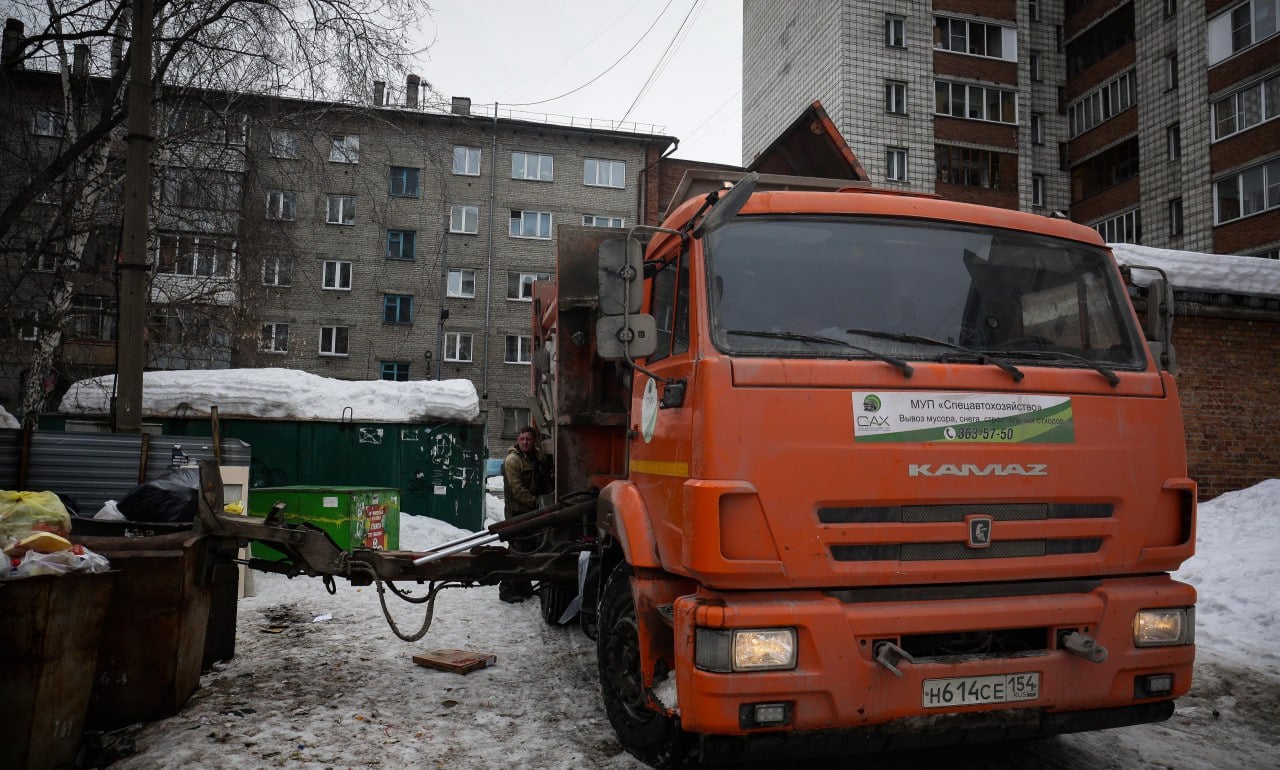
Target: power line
column 591, row 39
column 662, row 60
column 606, row 72
column 698, row 129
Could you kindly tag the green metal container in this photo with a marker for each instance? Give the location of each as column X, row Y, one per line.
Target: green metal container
column 355, row 517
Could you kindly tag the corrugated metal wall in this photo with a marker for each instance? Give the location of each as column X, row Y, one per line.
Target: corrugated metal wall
column 95, row 467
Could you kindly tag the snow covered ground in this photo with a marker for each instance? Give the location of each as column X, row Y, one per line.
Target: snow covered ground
column 343, row 692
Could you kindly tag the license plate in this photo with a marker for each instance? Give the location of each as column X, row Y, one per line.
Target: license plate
column 975, row 690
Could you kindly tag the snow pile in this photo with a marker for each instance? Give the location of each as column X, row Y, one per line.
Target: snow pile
column 7, row 420
column 1190, row 270
column 284, row 394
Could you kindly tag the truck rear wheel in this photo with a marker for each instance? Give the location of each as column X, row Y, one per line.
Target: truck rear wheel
column 651, row 736
column 553, row 599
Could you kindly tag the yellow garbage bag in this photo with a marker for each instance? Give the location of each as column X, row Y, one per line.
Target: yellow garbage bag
column 25, row 512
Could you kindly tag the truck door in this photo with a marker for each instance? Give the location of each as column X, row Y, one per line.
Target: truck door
column 661, row 450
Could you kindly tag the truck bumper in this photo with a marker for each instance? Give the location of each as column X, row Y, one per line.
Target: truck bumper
column 837, row 684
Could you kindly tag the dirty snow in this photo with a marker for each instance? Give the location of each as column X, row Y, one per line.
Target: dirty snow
column 343, row 692
column 7, row 420
column 284, row 394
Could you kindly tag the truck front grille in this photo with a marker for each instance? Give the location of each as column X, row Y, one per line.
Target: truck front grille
column 933, row 514
column 1004, row 549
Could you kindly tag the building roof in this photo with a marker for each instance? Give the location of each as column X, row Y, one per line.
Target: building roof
column 811, row 146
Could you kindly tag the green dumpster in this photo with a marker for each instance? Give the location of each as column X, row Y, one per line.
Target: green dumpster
column 355, row 517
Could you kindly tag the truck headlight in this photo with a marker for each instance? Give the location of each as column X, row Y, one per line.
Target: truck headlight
column 1164, row 627
column 745, row 649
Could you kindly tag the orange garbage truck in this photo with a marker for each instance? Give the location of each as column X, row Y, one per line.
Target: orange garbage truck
column 870, row 471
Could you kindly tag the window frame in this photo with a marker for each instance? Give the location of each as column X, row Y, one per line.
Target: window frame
column 399, row 371
column 339, row 273
column 284, row 144
column 282, row 205
column 1037, row 191
column 346, row 206
column 594, row 220
column 895, row 97
column 614, row 168
column 395, row 235
column 283, row 269
column 1177, row 223
column 402, row 190
column 517, row 417
column 524, row 347
column 1173, row 141
column 894, row 23
column 344, row 148
column 461, row 292
column 464, row 209
column 335, row 334
column 48, row 122
column 521, row 282
column 539, row 173
column 452, row 344
column 274, row 347
column 466, row 154
column 397, row 309
column 969, row 41
column 966, row 91
column 518, row 215
column 1269, row 172
column 1037, row 128
column 895, row 164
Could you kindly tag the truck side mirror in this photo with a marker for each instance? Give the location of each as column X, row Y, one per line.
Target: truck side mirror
column 1159, row 326
column 621, row 265
column 629, row 336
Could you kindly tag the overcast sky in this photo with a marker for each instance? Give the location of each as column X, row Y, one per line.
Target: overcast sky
column 518, row 52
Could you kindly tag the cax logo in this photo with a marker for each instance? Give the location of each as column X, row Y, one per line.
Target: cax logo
column 870, row 421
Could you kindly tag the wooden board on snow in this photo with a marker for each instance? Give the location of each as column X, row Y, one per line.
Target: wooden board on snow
column 457, row 661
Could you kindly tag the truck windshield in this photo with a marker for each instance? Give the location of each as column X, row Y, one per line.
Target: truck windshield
column 915, row 291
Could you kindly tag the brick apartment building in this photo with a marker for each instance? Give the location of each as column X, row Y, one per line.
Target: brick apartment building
column 1150, row 120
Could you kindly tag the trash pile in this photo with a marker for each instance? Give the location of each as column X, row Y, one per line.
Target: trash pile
column 34, row 532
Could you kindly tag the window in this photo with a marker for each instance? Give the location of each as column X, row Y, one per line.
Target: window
column 396, row 371
column 466, row 161
column 973, row 37
column 895, row 31
column 1268, row 254
column 403, row 182
column 44, row 262
column 592, row 220
column 46, row 121
column 341, row 210
column 1248, row 192
column 1033, row 10
column 282, row 205
column 462, row 283
column 1171, row 72
column 895, row 164
column 274, row 338
column 1037, row 72
column 1104, row 170
column 530, row 224
column 895, row 97
column 200, row 188
column 277, row 271
column 91, row 318
column 196, row 255
column 1037, row 190
column 604, row 173
column 1175, row 217
column 1102, row 104
column 1125, row 228
column 397, row 309
column 1241, row 27
column 975, row 102
column 1170, row 8
column 520, row 285
column 513, row 419
column 963, row 166
column 464, row 219
column 28, row 329
column 344, row 148
column 519, row 349
column 1246, row 108
column 532, row 165
column 283, row 143
column 1037, row 128
column 1173, row 141
column 457, row 346
column 337, row 275
column 333, row 340
column 400, row 243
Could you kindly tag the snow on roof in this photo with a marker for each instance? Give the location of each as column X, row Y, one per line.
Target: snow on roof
column 284, row 394
column 1194, row 271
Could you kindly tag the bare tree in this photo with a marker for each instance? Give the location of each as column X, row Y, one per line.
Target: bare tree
column 60, row 198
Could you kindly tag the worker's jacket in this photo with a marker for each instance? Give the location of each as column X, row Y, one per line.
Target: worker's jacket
column 524, row 477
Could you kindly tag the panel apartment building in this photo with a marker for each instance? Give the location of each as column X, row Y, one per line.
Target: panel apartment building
column 355, row 241
column 1149, row 120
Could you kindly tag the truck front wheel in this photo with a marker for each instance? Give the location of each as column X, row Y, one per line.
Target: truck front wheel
column 651, row 736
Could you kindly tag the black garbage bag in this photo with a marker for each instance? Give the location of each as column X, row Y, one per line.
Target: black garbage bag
column 171, row 497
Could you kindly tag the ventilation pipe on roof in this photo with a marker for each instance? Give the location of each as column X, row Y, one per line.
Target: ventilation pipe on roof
column 13, row 29
column 461, row 106
column 411, row 90
column 379, row 92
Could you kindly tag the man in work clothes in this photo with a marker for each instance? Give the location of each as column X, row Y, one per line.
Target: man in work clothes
column 526, row 473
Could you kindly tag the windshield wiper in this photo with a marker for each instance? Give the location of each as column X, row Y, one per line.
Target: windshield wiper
column 901, row 365
column 1058, row 355
column 978, row 355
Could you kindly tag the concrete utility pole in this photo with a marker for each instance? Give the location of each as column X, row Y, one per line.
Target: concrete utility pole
column 444, row 293
column 132, row 264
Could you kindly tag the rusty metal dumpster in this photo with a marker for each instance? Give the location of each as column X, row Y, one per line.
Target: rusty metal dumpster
column 48, row 647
